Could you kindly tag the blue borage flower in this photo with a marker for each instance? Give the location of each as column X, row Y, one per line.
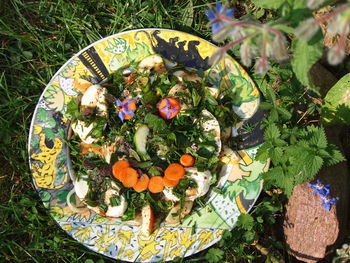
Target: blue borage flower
column 327, row 202
column 123, row 108
column 257, row 40
column 319, row 188
column 323, row 190
column 168, row 109
column 214, row 16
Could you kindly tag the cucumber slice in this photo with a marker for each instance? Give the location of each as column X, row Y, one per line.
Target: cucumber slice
column 140, row 140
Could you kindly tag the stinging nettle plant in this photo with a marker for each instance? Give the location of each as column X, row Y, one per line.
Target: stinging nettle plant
column 297, row 147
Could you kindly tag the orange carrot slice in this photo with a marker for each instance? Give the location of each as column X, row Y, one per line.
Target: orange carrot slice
column 130, row 179
column 169, row 108
column 142, row 183
column 156, row 184
column 187, row 160
column 170, row 183
column 174, row 171
column 119, row 167
column 122, row 175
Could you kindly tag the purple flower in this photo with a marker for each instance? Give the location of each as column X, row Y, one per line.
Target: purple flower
column 125, row 109
column 214, row 16
column 168, row 109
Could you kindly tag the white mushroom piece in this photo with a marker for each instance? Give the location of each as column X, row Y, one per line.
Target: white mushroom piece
column 175, row 214
column 152, row 62
column 211, row 125
column 81, row 187
column 202, row 180
column 94, row 97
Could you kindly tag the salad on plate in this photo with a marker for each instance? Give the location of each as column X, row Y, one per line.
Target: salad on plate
column 145, row 144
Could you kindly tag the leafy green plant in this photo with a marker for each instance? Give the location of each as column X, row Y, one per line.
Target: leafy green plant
column 336, row 106
column 297, row 148
column 296, row 156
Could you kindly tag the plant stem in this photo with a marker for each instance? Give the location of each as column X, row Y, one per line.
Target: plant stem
column 329, row 15
column 229, row 45
column 244, row 23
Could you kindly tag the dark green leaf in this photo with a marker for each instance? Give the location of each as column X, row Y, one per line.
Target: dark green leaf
column 336, row 155
column 263, row 152
column 156, row 123
column 266, row 105
column 285, row 114
column 276, row 154
column 271, row 132
column 304, row 56
column 245, row 221
column 214, row 255
column 336, row 108
column 196, row 98
column 249, row 236
column 211, row 101
column 270, row 95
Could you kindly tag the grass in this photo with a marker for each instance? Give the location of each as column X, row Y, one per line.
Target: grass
column 36, row 38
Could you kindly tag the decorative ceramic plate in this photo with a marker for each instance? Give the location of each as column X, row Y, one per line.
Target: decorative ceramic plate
column 50, row 164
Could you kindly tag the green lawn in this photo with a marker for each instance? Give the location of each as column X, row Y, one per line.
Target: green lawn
column 36, row 38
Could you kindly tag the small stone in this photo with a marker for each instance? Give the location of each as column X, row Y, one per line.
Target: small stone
column 308, row 227
column 311, row 231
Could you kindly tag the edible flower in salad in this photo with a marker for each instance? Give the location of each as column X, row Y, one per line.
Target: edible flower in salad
column 169, row 108
column 126, row 109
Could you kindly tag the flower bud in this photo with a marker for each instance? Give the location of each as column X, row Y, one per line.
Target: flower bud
column 245, row 54
column 279, row 47
column 261, row 65
column 307, row 29
column 335, row 55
